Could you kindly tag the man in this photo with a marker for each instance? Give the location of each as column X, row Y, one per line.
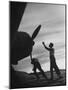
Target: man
column 36, row 65
column 53, row 64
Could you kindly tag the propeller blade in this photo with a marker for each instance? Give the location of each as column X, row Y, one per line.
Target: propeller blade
column 36, row 32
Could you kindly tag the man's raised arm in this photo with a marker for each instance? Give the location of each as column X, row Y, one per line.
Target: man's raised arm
column 45, row 46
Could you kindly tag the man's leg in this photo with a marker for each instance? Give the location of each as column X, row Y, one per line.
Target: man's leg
column 43, row 74
column 34, row 69
column 51, row 70
column 57, row 70
column 40, row 69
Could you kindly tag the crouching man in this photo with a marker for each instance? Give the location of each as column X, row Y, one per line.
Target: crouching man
column 36, row 65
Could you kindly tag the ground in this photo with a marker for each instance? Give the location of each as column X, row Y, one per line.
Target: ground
column 24, row 80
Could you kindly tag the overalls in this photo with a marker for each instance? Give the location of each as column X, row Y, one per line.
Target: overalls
column 53, row 64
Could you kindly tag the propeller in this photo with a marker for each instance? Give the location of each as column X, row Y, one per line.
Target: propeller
column 36, row 32
column 23, row 44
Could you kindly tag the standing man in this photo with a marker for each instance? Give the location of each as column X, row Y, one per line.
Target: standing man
column 53, row 64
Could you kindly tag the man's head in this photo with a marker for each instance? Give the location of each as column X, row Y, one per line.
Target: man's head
column 51, row 45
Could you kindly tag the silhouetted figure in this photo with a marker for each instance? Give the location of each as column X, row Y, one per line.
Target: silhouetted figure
column 53, row 64
column 36, row 65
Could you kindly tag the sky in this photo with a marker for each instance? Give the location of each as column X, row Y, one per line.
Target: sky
column 52, row 20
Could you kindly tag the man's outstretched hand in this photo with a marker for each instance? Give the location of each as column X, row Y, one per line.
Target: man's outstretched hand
column 43, row 43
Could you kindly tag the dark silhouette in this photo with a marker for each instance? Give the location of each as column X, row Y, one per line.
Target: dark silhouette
column 21, row 43
column 16, row 11
column 36, row 65
column 53, row 64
